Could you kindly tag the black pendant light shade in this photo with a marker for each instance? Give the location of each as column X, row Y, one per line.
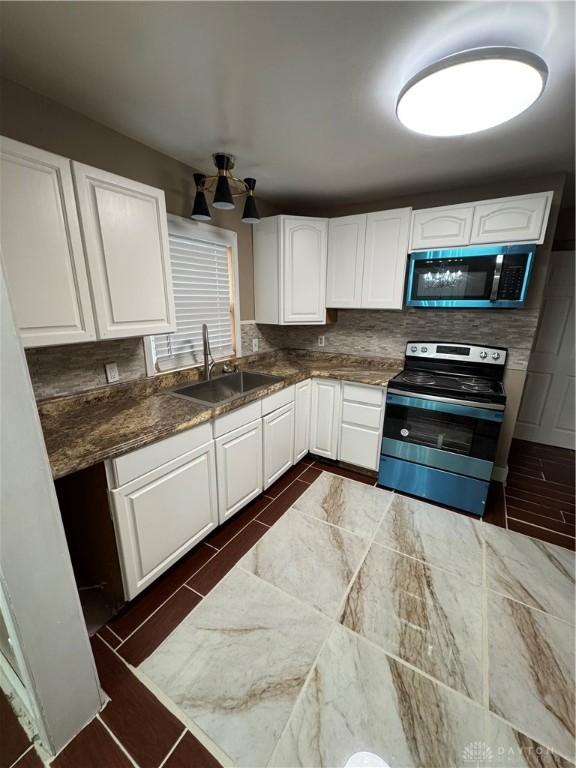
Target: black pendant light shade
column 200, row 210
column 250, row 215
column 223, row 194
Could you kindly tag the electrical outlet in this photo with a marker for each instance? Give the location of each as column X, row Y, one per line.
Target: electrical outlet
column 254, row 345
column 320, row 341
column 112, row 374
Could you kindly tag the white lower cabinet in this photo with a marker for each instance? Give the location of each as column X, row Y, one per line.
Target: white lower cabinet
column 161, row 515
column 325, row 417
column 278, row 443
column 302, row 397
column 361, row 425
column 239, row 459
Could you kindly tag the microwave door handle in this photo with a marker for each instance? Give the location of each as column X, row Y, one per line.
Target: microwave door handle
column 496, row 278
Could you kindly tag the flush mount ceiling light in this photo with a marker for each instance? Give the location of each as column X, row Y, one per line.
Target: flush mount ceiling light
column 225, row 187
column 471, row 91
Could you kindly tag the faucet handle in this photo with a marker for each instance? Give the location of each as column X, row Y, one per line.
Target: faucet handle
column 229, row 367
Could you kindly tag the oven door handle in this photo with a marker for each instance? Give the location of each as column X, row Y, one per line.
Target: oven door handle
column 445, row 405
column 497, row 276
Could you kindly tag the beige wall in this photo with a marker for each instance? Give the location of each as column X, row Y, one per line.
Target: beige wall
column 33, row 119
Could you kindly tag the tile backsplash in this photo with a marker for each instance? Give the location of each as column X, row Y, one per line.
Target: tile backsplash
column 384, row 333
column 74, row 368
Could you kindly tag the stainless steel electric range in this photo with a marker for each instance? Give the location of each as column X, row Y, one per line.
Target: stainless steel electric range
column 442, row 421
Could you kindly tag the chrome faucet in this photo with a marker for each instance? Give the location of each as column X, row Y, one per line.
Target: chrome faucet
column 208, row 359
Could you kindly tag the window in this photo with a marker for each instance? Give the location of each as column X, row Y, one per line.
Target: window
column 204, row 266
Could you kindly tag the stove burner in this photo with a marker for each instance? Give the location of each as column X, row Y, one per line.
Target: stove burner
column 418, row 378
column 477, row 385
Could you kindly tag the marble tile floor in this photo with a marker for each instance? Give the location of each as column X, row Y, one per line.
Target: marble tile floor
column 366, row 621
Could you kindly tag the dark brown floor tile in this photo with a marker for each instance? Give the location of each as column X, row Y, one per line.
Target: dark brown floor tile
column 139, row 609
column 227, row 557
column 546, row 510
column 310, row 474
column 495, row 505
column 552, row 491
column 13, row 739
column 307, row 460
column 276, row 509
column 569, row 517
column 526, row 448
column 559, row 473
column 144, row 727
column 287, row 479
column 541, row 533
column 92, row 748
column 543, row 501
column 106, row 634
column 348, row 473
column 191, row 754
column 531, row 473
column 30, row 760
column 545, row 522
column 222, row 535
column 157, row 628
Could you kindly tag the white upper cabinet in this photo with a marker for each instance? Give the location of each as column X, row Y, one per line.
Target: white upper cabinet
column 441, row 227
column 386, row 254
column 367, row 257
column 290, row 270
column 512, row 219
column 42, row 247
column 126, row 239
column 519, row 219
column 346, row 239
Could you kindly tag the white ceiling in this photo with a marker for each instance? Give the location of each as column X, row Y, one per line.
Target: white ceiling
column 302, row 93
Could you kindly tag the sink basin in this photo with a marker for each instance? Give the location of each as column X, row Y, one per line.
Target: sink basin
column 224, row 388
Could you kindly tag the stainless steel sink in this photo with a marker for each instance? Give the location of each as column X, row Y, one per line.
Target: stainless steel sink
column 224, row 388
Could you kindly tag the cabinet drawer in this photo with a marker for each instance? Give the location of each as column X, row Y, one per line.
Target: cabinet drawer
column 238, row 418
column 277, row 400
column 363, row 394
column 136, row 463
column 364, row 415
column 359, row 446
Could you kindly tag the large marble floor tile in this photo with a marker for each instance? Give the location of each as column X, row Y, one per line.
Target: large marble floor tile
column 236, row 664
column 531, row 671
column 358, row 699
column 354, row 506
column 307, row 558
column 426, row 616
column 504, row 747
column 433, row 535
column 529, row 570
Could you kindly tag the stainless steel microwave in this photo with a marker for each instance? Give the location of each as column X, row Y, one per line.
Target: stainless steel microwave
column 481, row 276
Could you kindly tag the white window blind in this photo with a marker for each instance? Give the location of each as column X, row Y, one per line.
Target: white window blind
column 202, row 280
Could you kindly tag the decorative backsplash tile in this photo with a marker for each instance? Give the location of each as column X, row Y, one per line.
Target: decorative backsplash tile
column 74, row 368
column 384, row 333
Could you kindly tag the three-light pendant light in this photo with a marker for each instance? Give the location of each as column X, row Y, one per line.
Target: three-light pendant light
column 225, row 187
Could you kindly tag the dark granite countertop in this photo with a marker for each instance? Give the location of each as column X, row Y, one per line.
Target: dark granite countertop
column 82, row 430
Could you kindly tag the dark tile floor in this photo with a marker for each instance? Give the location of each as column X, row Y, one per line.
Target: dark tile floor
column 134, row 728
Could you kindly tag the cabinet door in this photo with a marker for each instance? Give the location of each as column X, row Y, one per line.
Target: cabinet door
column 325, row 418
column 303, row 291
column 239, row 462
column 346, row 239
column 126, row 237
column 302, row 398
column 515, row 219
column 441, row 227
column 42, row 247
column 163, row 514
column 385, row 259
column 278, row 443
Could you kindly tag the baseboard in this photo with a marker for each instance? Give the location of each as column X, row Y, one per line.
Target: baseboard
column 500, row 473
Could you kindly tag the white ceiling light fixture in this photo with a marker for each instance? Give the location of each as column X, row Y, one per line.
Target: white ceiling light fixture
column 471, row 91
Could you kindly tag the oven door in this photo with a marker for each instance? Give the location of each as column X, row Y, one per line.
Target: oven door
column 455, row 437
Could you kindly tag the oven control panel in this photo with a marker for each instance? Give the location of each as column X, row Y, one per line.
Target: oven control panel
column 471, row 353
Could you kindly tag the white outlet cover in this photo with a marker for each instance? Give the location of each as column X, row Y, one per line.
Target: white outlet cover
column 320, row 341
column 112, row 373
column 254, row 345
